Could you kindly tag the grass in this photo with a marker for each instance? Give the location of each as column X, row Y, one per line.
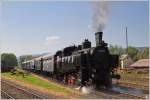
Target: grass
column 31, row 79
column 135, row 75
column 140, row 79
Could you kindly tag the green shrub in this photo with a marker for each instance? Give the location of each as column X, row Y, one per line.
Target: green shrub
column 17, row 71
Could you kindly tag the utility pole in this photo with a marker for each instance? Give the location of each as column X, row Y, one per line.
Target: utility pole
column 126, row 40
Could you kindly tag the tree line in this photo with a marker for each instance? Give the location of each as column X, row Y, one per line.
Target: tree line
column 10, row 59
column 133, row 52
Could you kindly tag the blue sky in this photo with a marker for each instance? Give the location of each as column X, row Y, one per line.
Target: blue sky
column 38, row 27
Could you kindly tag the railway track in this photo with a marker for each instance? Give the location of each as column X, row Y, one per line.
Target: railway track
column 107, row 93
column 119, row 95
column 132, row 96
column 133, row 85
column 21, row 93
column 5, row 95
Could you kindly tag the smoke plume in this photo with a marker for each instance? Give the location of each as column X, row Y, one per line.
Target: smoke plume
column 100, row 14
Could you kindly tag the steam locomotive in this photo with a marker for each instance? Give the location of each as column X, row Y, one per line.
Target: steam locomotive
column 94, row 64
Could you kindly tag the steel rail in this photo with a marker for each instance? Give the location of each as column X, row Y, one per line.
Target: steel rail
column 24, row 90
column 133, row 84
column 96, row 92
column 105, row 94
column 132, row 95
column 121, row 94
column 6, row 94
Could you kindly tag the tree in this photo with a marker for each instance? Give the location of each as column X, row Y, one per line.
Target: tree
column 132, row 52
column 143, row 54
column 114, row 49
column 8, row 60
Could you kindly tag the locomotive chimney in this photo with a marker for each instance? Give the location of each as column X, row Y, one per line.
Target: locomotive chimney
column 98, row 38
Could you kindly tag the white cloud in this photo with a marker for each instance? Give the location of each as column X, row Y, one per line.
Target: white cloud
column 51, row 40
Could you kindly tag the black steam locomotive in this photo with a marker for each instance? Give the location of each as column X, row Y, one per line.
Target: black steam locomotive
column 94, row 64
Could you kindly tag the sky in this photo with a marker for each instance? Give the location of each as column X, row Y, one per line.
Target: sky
column 35, row 27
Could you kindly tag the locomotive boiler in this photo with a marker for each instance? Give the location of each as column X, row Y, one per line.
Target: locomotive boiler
column 89, row 64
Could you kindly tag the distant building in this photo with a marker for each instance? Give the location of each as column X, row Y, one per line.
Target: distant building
column 142, row 64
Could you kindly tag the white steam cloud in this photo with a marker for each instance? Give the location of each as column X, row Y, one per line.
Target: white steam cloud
column 50, row 40
column 100, row 15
